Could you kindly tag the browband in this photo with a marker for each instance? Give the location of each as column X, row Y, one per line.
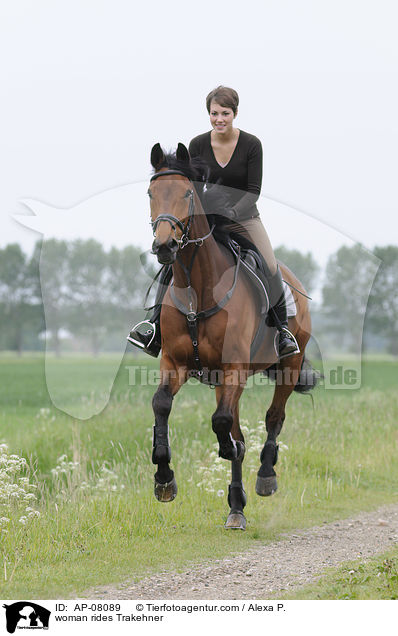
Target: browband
column 167, row 172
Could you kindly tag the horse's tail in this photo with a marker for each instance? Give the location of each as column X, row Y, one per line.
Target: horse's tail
column 308, row 378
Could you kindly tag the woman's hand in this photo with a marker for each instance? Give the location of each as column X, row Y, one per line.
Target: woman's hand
column 215, row 201
column 229, row 213
column 214, row 198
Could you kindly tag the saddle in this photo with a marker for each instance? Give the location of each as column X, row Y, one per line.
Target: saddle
column 258, row 274
column 252, row 261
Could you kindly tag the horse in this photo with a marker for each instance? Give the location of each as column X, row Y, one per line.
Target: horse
column 203, row 325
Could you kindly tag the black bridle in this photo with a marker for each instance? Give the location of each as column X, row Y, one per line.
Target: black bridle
column 174, row 222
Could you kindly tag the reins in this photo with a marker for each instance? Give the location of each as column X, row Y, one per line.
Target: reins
column 295, row 289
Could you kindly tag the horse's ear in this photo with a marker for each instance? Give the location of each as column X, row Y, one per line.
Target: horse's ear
column 157, row 156
column 182, row 153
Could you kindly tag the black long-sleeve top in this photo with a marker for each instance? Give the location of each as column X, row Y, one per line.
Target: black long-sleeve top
column 241, row 176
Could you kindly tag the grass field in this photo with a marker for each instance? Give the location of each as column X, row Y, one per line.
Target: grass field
column 357, row 580
column 84, row 514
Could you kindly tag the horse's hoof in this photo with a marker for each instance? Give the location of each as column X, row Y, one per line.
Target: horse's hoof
column 266, row 486
column 166, row 492
column 235, row 521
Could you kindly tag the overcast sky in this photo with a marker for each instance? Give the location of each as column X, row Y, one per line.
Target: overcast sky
column 87, row 87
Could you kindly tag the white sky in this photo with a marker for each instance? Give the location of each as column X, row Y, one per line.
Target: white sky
column 87, row 87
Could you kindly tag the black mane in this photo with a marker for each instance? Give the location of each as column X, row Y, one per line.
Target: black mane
column 195, row 170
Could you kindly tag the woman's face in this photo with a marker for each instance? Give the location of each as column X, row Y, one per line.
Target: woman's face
column 221, row 117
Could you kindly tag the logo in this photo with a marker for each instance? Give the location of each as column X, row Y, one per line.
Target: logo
column 26, row 615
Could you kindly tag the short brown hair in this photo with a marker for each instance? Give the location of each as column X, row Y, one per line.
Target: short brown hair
column 226, row 97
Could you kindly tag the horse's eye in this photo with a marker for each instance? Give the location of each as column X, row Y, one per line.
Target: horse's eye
column 188, row 194
column 150, row 194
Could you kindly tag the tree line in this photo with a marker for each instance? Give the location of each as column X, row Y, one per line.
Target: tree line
column 83, row 298
column 74, row 293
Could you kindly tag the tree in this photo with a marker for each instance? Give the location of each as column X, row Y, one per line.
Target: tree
column 383, row 301
column 348, row 280
column 88, row 311
column 20, row 305
column 91, row 294
column 53, row 256
column 128, row 282
column 107, row 290
column 304, row 266
column 76, row 288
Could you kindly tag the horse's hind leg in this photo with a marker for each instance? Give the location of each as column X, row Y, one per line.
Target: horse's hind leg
column 288, row 372
column 165, row 483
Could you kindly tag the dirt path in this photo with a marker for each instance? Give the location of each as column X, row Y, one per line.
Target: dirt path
column 292, row 561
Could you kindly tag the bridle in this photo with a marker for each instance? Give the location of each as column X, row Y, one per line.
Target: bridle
column 174, row 221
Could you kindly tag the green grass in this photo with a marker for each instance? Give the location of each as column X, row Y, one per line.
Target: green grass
column 99, row 521
column 355, row 580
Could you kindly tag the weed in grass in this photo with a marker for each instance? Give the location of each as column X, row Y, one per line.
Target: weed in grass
column 389, row 570
column 380, row 577
column 356, row 580
column 17, row 513
column 71, row 480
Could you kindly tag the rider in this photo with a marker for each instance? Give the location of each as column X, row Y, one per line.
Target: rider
column 234, row 159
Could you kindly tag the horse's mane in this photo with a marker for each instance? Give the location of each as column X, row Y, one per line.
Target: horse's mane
column 195, row 170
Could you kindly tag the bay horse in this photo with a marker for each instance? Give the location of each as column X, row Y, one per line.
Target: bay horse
column 209, row 317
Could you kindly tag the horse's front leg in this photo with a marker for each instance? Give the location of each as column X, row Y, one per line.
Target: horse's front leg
column 227, row 395
column 236, row 492
column 225, row 423
column 165, row 483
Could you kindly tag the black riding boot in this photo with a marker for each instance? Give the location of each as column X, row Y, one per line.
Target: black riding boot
column 146, row 334
column 287, row 343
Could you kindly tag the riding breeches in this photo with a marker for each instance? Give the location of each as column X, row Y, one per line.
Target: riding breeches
column 254, row 230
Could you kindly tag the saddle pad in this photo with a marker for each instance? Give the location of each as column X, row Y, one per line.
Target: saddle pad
column 290, row 304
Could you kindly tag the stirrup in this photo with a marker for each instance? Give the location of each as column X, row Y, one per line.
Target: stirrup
column 291, row 337
column 151, row 346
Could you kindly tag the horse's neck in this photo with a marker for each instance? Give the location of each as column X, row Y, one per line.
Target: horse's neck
column 211, row 271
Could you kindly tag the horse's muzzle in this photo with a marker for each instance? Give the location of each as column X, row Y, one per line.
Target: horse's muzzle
column 166, row 252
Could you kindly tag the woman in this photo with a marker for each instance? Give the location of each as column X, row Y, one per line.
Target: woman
column 234, row 159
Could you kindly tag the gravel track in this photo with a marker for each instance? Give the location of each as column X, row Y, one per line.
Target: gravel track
column 294, row 560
